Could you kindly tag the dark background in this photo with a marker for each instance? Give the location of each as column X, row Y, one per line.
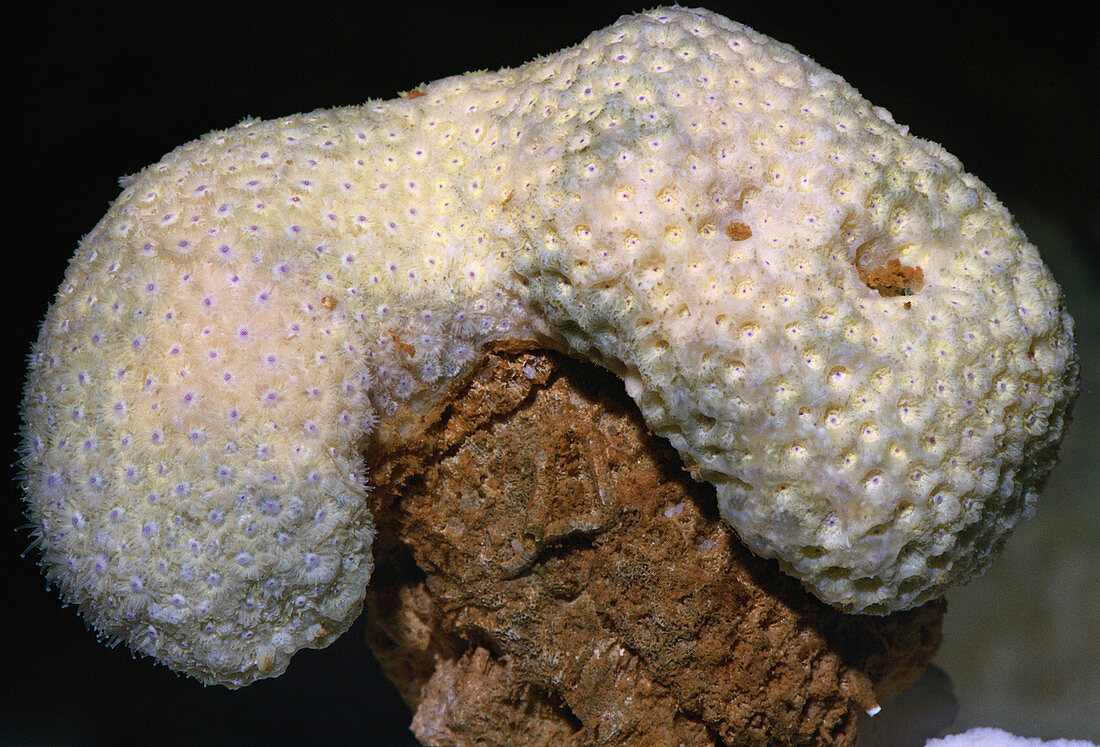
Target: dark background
column 94, row 94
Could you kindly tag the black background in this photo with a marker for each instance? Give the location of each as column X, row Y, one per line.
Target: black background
column 96, row 93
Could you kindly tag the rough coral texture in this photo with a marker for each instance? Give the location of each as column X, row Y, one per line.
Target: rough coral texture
column 678, row 198
column 547, row 574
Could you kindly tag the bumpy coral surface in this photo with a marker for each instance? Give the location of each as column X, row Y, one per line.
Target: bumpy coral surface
column 678, row 198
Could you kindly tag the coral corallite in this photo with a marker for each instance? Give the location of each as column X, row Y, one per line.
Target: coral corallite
column 831, row 322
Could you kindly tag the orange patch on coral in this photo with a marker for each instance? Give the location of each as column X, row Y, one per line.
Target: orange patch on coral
column 893, row 279
column 738, row 231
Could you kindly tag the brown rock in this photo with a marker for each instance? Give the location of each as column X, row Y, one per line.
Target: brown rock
column 547, row 573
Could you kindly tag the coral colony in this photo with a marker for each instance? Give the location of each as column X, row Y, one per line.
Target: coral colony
column 830, row 321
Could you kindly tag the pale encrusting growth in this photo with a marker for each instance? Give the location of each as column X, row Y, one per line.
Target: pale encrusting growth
column 678, row 198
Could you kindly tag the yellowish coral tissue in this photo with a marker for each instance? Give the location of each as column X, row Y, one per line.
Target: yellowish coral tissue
column 831, row 322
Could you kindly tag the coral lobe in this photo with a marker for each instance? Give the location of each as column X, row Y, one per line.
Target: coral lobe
column 679, row 199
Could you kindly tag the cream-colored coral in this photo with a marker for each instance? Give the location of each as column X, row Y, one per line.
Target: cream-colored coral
column 678, row 198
